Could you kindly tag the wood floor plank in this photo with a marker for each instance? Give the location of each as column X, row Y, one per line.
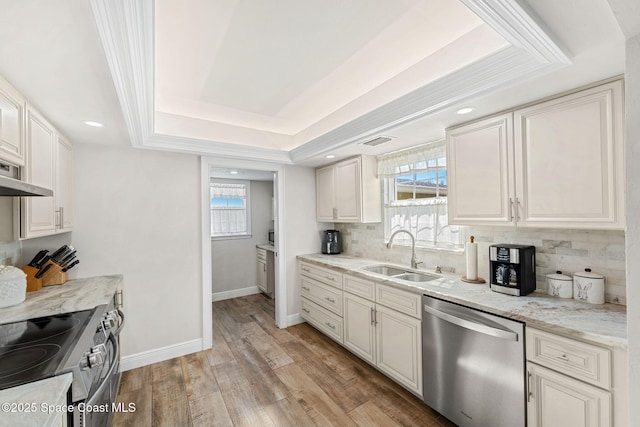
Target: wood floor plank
column 270, row 351
column 316, row 403
column 370, row 415
column 135, row 379
column 210, row 411
column 198, row 375
column 288, row 412
column 170, row 403
column 220, row 353
column 265, row 384
column 242, row 405
column 142, row 415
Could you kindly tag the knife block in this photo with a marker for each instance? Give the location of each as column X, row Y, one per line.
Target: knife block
column 33, row 284
column 54, row 275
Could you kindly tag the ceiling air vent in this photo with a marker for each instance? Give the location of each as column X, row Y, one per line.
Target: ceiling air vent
column 377, row 141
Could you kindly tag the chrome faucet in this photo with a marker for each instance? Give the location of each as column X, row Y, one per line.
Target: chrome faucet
column 414, row 260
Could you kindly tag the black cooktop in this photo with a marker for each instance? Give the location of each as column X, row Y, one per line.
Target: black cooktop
column 33, row 349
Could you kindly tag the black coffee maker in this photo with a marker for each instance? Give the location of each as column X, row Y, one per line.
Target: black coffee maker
column 331, row 242
column 512, row 269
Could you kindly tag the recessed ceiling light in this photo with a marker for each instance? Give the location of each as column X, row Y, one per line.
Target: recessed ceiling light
column 233, row 172
column 93, row 124
column 330, row 156
column 465, row 110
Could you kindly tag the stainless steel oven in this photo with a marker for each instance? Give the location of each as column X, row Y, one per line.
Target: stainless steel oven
column 84, row 343
column 96, row 370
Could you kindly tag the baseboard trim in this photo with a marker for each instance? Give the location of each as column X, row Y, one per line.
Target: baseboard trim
column 160, row 354
column 294, row 319
column 219, row 296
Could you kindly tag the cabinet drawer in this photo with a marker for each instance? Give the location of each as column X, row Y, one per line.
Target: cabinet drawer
column 361, row 287
column 586, row 362
column 397, row 299
column 324, row 295
column 262, row 254
column 324, row 320
column 323, row 275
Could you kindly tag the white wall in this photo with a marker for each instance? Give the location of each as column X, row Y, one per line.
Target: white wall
column 137, row 213
column 302, row 234
column 233, row 261
column 632, row 160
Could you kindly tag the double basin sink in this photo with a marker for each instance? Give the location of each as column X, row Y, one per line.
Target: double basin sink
column 398, row 273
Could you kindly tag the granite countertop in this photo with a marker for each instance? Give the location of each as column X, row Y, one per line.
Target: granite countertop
column 604, row 323
column 267, row 246
column 74, row 295
column 40, row 403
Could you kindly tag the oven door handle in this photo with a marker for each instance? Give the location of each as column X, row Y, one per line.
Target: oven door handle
column 107, row 379
column 119, row 328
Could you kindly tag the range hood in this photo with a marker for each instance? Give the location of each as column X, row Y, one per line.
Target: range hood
column 11, row 186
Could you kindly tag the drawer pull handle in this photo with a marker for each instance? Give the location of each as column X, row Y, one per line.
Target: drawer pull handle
column 306, row 310
column 330, row 300
column 564, row 357
column 306, row 289
column 333, row 279
column 305, row 269
column 330, row 325
column 373, row 316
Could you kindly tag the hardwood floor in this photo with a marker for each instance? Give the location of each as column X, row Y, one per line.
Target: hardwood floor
column 259, row 375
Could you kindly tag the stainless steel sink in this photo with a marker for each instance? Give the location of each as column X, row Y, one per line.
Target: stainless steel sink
column 394, row 272
column 416, row 277
column 385, row 270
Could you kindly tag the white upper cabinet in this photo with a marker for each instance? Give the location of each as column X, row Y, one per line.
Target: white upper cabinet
column 349, row 191
column 558, row 163
column 49, row 164
column 480, row 168
column 11, row 124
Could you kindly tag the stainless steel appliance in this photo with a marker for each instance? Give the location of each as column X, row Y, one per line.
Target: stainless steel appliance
column 10, row 184
column 84, row 343
column 272, row 237
column 331, row 242
column 473, row 365
column 512, row 269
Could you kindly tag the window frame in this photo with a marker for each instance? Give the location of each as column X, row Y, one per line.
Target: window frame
column 247, row 234
column 390, row 190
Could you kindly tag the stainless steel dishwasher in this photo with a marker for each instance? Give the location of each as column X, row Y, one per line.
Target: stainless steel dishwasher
column 473, row 365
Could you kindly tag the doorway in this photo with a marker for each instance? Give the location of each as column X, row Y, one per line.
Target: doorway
column 229, row 267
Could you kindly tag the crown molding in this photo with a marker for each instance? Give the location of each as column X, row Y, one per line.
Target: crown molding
column 520, row 27
column 127, row 33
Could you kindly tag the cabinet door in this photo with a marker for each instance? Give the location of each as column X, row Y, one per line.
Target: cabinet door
column 480, row 168
column 262, row 275
column 325, row 183
column 569, row 160
column 558, row 400
column 64, row 185
column 359, row 327
column 399, row 347
column 11, row 124
column 348, row 191
column 39, row 218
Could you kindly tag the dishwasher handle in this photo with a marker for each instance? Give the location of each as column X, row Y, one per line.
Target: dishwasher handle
column 478, row 327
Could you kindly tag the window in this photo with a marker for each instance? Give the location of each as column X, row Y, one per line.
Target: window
column 230, row 209
column 415, row 187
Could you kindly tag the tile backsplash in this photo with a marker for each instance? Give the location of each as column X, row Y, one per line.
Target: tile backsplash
column 568, row 251
column 10, row 253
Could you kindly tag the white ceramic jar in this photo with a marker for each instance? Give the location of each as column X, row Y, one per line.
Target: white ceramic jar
column 13, row 286
column 588, row 287
column 559, row 285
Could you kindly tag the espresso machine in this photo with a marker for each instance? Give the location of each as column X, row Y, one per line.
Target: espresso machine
column 512, row 269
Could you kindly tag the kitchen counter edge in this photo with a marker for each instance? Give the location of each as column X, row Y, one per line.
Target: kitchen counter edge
column 74, row 295
column 603, row 324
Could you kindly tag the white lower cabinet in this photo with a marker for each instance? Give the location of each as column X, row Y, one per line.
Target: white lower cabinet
column 386, row 338
column 573, row 383
column 558, row 400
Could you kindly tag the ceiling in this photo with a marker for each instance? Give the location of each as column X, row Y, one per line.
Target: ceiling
column 239, row 79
